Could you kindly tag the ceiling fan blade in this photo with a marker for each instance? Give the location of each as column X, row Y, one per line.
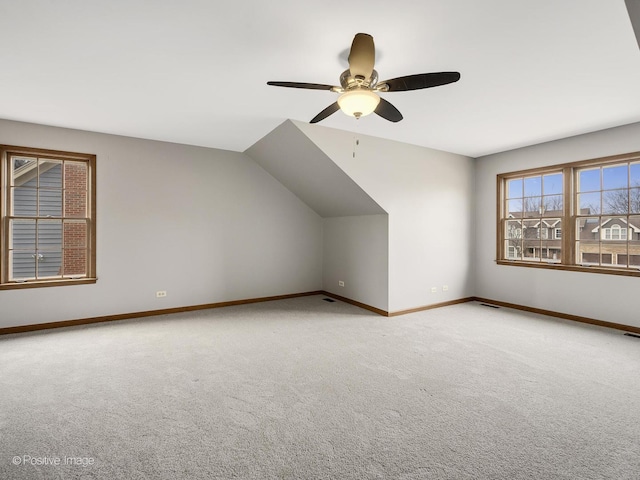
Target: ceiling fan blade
column 310, row 86
column 388, row 111
column 421, row 80
column 362, row 55
column 330, row 110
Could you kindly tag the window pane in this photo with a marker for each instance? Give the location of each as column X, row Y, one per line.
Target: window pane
column 552, row 184
column 75, row 262
column 634, row 200
column 22, row 235
column 634, row 179
column 531, row 250
column 589, row 180
column 552, row 205
column 615, row 201
column 513, row 250
column 49, row 253
column 50, row 174
column 615, row 177
column 74, row 234
column 75, row 203
column 49, row 235
column 551, row 247
column 533, row 206
column 48, row 262
column 22, row 265
column 50, row 203
column 514, row 229
column 513, row 239
column 634, row 241
column 514, row 208
column 614, row 241
column 589, row 203
column 514, row 188
column 588, row 244
column 24, row 201
column 23, row 169
column 75, row 175
column 604, row 230
column 533, row 186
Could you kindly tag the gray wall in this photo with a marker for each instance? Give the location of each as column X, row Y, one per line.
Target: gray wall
column 356, row 252
column 205, row 225
column 428, row 195
column 291, row 157
column 210, row 225
column 605, row 297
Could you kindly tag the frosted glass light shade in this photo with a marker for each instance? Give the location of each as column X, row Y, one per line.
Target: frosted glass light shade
column 358, row 103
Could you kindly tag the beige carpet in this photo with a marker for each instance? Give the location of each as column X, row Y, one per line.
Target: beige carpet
column 306, row 389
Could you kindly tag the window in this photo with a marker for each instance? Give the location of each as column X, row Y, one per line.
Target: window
column 542, row 233
column 47, row 205
column 615, row 232
column 596, row 203
column 531, row 204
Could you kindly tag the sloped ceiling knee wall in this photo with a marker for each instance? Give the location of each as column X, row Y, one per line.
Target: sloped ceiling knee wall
column 397, row 212
column 355, row 227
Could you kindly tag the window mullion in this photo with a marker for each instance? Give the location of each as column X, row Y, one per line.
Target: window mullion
column 4, row 221
column 568, row 218
column 4, row 274
column 500, row 248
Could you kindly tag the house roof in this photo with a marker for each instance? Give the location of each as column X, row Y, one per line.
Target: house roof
column 195, row 72
column 615, row 220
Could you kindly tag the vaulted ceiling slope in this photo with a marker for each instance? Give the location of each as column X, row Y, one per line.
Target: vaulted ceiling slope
column 296, row 162
column 195, row 71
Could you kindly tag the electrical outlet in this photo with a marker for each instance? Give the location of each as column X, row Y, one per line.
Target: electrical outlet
column 161, row 293
column 340, row 283
column 434, row 289
column 445, row 288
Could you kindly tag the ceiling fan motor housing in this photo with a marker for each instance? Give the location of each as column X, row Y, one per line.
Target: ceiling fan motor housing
column 349, row 82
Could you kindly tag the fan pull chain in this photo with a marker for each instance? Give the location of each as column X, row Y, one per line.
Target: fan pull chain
column 356, row 142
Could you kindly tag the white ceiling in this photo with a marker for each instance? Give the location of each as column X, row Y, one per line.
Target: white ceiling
column 195, row 71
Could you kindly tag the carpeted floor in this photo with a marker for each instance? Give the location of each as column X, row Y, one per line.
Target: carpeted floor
column 306, row 389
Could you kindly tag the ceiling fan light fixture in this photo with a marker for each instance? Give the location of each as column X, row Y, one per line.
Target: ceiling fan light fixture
column 359, row 102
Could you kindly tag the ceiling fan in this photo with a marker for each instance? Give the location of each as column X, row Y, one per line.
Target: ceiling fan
column 359, row 85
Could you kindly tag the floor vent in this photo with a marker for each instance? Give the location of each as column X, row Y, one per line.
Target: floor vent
column 330, row 300
column 490, row 306
column 632, row 335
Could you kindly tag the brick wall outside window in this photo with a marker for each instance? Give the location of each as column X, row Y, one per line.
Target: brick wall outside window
column 74, row 235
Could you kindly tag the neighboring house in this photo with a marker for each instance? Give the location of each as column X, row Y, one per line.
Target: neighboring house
column 606, row 240
column 610, row 240
column 532, row 237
